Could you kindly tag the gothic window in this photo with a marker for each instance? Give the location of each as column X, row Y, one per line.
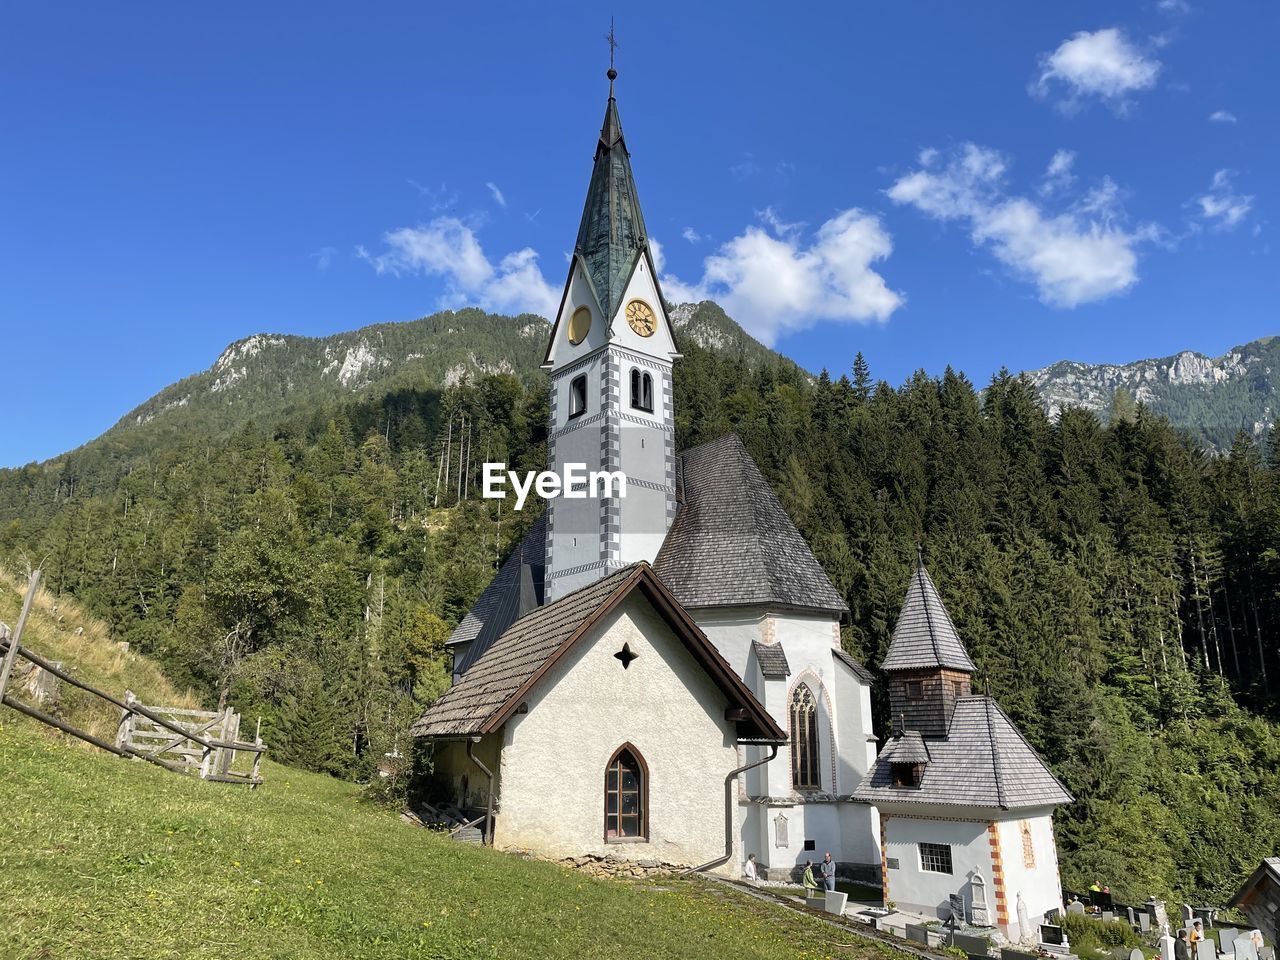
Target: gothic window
column 804, row 740
column 578, row 396
column 626, row 800
column 935, row 858
column 641, row 390
column 1028, row 847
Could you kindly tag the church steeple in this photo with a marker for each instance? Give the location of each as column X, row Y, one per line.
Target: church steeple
column 611, row 236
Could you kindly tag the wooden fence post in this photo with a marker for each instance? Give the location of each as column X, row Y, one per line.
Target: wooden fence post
column 32, row 583
column 124, row 733
column 230, row 730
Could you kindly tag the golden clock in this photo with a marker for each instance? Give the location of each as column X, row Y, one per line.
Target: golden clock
column 640, row 317
column 579, row 324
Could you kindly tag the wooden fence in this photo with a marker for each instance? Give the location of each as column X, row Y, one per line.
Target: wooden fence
column 200, row 742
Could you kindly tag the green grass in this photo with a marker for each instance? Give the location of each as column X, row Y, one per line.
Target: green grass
column 107, row 858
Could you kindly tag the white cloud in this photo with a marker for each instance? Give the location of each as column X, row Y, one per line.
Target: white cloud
column 1222, row 206
column 691, row 235
column 324, row 257
column 778, row 280
column 1223, row 116
column 1079, row 255
column 1058, row 175
column 498, row 198
column 446, row 247
column 1101, row 64
column 1174, row 6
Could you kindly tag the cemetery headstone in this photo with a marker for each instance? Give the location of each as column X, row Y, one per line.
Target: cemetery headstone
column 1144, row 922
column 1136, row 954
column 1227, row 939
column 1187, row 914
column 1076, row 907
column 1107, row 916
column 1245, row 948
column 957, row 907
column 1166, row 947
column 1052, row 935
column 1007, row 954
column 971, row 945
column 918, row 933
column 1133, row 917
column 978, row 913
column 1159, row 915
column 835, row 901
column 1206, row 950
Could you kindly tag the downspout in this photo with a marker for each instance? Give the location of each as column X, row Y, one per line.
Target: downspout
column 731, row 776
column 488, row 815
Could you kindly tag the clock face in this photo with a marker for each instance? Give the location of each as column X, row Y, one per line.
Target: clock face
column 579, row 324
column 640, row 317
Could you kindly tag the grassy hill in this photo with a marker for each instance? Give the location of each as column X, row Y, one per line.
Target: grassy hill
column 103, row 858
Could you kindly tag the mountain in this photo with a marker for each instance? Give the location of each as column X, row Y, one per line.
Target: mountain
column 1213, row 397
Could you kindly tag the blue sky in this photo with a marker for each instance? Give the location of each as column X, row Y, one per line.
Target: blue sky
column 930, row 183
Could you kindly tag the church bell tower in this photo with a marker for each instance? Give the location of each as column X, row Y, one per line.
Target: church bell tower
column 609, row 359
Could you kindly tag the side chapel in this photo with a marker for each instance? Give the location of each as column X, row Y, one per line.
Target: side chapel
column 660, row 676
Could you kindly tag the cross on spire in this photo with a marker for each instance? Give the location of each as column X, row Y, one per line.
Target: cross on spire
column 612, row 39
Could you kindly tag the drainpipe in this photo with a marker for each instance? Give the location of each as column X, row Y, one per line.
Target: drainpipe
column 731, row 776
column 488, row 816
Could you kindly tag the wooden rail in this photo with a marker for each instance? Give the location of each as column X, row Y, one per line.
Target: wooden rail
column 216, row 751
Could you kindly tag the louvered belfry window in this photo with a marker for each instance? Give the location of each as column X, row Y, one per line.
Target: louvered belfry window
column 624, row 797
column 804, row 740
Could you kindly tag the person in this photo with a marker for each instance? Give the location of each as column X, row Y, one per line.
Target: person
column 1095, row 887
column 749, row 871
column 1196, row 933
column 809, row 882
column 1181, row 948
column 828, row 871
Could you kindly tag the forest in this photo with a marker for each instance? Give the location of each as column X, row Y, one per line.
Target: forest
column 1115, row 582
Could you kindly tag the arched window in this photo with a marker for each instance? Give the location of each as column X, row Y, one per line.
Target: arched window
column 804, row 740
column 1028, row 847
column 578, row 396
column 641, row 390
column 626, row 796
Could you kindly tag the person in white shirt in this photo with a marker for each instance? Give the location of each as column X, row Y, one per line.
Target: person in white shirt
column 749, row 871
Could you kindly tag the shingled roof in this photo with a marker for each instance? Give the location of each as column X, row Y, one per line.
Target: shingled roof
column 772, row 659
column 515, row 590
column 907, row 747
column 861, row 672
column 982, row 762
column 490, row 691
column 924, row 637
column 732, row 544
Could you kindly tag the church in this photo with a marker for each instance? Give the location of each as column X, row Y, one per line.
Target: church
column 659, row 676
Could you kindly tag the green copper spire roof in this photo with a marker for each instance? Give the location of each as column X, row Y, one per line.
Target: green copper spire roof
column 612, row 234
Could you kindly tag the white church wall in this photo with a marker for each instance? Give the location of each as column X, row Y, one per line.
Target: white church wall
column 921, row 891
column 553, row 765
column 580, row 294
column 1039, row 884
column 731, row 629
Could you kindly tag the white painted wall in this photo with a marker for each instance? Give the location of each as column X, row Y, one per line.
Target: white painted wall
column 1040, row 887
column 919, row 891
column 554, row 757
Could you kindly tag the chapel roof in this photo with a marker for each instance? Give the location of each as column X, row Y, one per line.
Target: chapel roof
column 861, row 672
column 984, row 761
column 488, row 693
column 924, row 637
column 908, row 747
column 732, row 543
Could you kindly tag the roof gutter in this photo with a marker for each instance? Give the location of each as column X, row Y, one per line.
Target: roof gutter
column 729, row 778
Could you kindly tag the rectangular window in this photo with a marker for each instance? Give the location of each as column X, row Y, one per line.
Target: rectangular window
column 935, row 858
column 915, row 689
column 578, row 396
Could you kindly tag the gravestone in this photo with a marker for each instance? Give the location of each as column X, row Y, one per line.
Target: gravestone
column 1206, row 950
column 979, row 916
column 957, row 907
column 1052, row 935
column 1107, row 916
column 1227, row 939
column 1245, row 948
column 1159, row 915
column 918, row 933
column 1136, row 954
column 835, row 901
column 1008, row 954
column 1076, row 907
column 1166, row 947
column 1144, row 922
column 1133, row 917
column 1187, row 915
column 970, row 945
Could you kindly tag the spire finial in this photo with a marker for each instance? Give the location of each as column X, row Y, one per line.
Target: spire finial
column 612, row 39
column 919, row 553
